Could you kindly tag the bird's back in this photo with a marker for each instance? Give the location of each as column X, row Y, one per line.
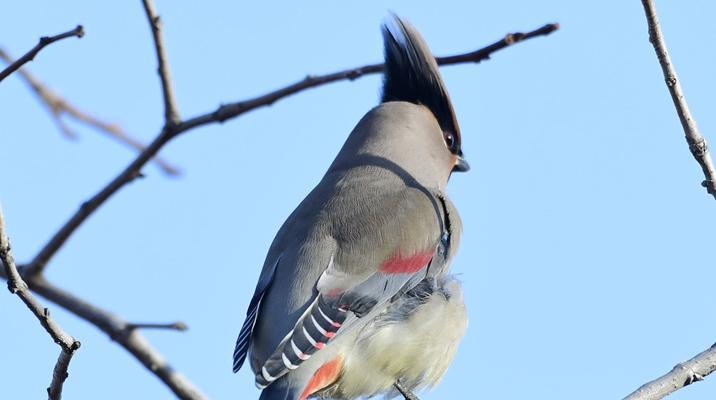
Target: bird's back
column 344, row 211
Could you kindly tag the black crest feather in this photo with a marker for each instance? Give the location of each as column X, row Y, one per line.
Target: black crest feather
column 412, row 74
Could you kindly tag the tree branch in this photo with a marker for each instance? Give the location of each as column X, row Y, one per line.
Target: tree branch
column 131, row 172
column 233, row 110
column 697, row 144
column 405, row 392
column 683, row 374
column 44, row 41
column 59, row 106
column 230, row 111
column 17, row 286
column 171, row 115
column 175, row 326
column 118, row 330
column 59, row 375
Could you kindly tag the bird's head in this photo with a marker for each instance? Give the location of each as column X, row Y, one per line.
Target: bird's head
column 415, row 125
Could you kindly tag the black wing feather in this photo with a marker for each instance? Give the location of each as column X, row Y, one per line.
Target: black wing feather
column 242, row 342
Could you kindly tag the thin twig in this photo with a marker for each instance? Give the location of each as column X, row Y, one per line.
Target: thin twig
column 171, row 114
column 59, row 106
column 118, row 330
column 230, row 111
column 697, row 144
column 681, row 375
column 405, row 392
column 233, row 110
column 59, row 376
column 44, row 41
column 130, row 173
column 17, row 286
column 175, row 326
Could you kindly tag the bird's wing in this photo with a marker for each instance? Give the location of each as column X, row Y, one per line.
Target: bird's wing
column 242, row 342
column 385, row 245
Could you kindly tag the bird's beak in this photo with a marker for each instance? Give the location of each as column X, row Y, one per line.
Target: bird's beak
column 461, row 165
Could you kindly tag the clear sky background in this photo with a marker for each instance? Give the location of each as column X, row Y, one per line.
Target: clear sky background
column 587, row 255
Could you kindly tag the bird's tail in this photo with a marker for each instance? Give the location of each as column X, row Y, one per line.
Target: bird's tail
column 412, row 74
column 280, row 390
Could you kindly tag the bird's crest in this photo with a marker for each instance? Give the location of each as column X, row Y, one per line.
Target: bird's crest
column 412, row 75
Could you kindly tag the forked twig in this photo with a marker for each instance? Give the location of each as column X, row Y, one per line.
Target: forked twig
column 17, row 286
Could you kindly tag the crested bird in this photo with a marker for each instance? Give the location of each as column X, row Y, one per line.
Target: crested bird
column 355, row 298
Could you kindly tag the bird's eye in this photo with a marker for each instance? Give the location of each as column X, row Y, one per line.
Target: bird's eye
column 450, row 141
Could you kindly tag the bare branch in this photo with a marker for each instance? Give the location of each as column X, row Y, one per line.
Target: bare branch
column 683, row 374
column 405, row 392
column 697, row 144
column 171, row 115
column 59, row 376
column 233, row 110
column 59, row 106
column 131, row 172
column 118, row 330
column 485, row 52
column 17, row 286
column 230, row 111
column 44, row 41
column 176, row 326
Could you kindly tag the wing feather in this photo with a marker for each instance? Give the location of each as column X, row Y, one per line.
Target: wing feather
column 242, row 341
column 348, row 293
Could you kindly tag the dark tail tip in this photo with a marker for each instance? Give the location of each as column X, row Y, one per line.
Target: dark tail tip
column 280, row 390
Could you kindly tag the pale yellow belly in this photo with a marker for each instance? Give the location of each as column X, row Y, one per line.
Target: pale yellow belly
column 414, row 344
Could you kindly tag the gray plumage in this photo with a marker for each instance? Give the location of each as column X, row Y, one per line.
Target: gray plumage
column 366, row 253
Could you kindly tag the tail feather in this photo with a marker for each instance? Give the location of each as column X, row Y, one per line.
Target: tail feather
column 412, row 74
column 243, row 341
column 283, row 389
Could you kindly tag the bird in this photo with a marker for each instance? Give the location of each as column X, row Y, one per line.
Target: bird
column 355, row 298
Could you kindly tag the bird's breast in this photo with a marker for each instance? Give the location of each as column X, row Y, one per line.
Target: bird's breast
column 413, row 340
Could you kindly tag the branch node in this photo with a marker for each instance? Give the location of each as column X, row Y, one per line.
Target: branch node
column 696, row 141
column 137, row 175
column 698, row 147
column 20, row 288
column 85, row 206
column 16, row 287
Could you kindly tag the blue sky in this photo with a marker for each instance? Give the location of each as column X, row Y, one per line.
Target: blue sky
column 586, row 256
